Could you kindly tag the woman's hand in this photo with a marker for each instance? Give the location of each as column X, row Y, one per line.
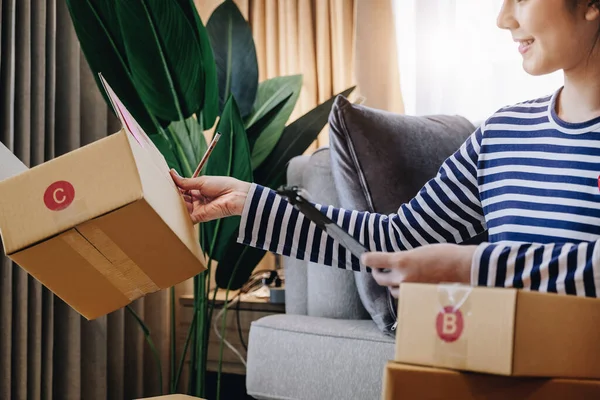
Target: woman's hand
column 434, row 263
column 212, row 197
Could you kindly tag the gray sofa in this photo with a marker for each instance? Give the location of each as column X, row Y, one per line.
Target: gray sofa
column 327, row 345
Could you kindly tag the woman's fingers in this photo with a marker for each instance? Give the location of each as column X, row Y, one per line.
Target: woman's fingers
column 186, row 183
column 383, row 260
column 385, row 278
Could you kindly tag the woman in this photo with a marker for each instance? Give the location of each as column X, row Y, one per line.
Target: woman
column 529, row 174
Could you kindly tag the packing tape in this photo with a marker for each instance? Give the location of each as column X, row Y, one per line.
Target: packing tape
column 76, row 211
column 108, row 259
column 453, row 311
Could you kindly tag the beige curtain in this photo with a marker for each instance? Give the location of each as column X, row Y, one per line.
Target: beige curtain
column 334, row 44
column 49, row 105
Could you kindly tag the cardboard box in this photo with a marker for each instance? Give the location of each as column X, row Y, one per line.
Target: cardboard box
column 100, row 226
column 498, row 331
column 172, row 397
column 406, row 382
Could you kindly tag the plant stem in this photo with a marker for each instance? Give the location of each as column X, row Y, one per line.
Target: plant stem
column 201, row 332
column 146, row 332
column 173, row 340
column 235, row 268
column 193, row 352
column 184, row 352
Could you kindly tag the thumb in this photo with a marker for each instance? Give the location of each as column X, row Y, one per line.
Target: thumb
column 185, row 183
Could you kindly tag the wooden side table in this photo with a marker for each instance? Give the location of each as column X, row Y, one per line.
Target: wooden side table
column 251, row 309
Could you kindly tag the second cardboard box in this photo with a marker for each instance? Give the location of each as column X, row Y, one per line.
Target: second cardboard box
column 498, row 331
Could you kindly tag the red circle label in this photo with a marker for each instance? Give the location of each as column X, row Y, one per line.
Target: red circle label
column 449, row 324
column 59, row 195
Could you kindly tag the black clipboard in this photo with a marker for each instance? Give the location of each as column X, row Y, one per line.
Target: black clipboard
column 322, row 221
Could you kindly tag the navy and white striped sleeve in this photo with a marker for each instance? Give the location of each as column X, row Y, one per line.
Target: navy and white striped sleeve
column 566, row 268
column 446, row 210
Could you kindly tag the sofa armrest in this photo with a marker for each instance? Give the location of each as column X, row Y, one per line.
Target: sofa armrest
column 296, row 271
column 326, row 291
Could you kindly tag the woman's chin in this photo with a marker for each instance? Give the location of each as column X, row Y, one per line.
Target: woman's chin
column 535, row 68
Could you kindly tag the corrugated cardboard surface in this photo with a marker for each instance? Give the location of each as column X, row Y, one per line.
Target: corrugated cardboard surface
column 103, row 173
column 485, row 343
column 557, row 336
column 126, row 233
column 505, row 331
column 171, row 397
column 402, row 382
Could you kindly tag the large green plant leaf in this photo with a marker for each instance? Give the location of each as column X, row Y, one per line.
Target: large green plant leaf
column 190, row 138
column 210, row 110
column 263, row 123
column 270, row 93
column 99, row 34
column 164, row 56
column 235, row 55
column 231, row 157
column 239, row 258
column 294, row 141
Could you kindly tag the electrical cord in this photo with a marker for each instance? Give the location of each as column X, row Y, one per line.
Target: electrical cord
column 239, row 327
column 225, row 341
column 256, row 281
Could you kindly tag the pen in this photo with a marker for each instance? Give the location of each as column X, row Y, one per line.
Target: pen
column 204, row 159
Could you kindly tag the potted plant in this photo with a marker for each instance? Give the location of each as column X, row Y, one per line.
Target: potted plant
column 178, row 78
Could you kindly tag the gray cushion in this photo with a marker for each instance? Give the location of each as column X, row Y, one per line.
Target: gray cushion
column 332, row 292
column 380, row 160
column 288, row 356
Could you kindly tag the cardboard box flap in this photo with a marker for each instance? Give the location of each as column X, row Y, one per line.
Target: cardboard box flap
column 10, row 165
column 162, row 195
column 70, row 189
column 68, row 266
column 159, row 190
column 139, row 233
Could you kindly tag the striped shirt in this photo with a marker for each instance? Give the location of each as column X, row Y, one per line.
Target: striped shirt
column 529, row 178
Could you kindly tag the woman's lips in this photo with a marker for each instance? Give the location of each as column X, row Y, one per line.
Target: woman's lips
column 524, row 46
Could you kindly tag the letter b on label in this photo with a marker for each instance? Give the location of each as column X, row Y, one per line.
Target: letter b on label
column 59, row 195
column 449, row 324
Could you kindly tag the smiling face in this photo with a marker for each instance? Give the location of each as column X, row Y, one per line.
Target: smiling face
column 552, row 34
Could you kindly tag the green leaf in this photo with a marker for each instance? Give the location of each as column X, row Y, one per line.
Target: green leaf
column 231, row 157
column 235, row 56
column 190, row 137
column 164, row 56
column 246, row 258
column 165, row 148
column 99, row 34
column 270, row 93
column 210, row 110
column 260, row 126
column 296, row 138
